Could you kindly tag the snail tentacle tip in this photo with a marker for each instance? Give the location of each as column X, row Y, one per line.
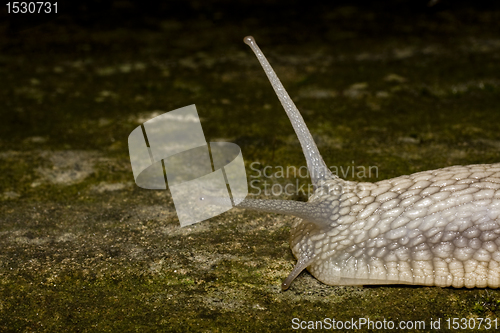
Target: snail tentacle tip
column 248, row 40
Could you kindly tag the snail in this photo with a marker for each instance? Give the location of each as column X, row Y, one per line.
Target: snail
column 433, row 228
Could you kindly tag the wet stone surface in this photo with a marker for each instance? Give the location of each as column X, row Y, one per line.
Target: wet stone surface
column 394, row 85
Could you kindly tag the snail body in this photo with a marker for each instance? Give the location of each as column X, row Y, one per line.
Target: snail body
column 434, row 228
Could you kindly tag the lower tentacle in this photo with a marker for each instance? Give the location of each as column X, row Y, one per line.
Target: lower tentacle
column 302, row 264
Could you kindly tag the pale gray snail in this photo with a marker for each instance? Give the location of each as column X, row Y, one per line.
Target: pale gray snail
column 434, row 228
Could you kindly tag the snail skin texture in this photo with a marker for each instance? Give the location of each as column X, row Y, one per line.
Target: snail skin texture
column 433, row 228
